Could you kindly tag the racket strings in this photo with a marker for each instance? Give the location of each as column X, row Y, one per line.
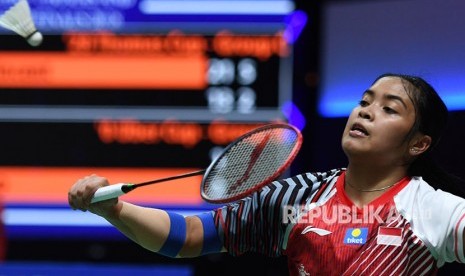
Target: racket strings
column 236, row 172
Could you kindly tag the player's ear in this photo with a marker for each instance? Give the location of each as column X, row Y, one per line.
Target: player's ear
column 419, row 145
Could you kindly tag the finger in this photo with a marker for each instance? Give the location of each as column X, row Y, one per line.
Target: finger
column 90, row 196
column 93, row 183
column 70, row 201
column 76, row 193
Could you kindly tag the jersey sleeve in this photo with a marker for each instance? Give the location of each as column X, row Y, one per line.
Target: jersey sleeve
column 450, row 211
column 255, row 223
column 438, row 218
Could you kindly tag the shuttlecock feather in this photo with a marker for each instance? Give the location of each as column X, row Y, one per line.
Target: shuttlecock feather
column 19, row 20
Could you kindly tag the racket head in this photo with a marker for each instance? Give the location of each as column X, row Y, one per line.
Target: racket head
column 251, row 161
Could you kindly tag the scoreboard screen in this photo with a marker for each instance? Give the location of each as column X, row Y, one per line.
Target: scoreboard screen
column 133, row 91
column 86, row 76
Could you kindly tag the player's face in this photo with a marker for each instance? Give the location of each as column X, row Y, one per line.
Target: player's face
column 377, row 128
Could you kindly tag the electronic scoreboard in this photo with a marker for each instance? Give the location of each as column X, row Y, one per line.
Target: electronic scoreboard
column 133, row 91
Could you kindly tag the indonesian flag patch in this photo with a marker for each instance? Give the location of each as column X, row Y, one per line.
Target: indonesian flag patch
column 390, row 235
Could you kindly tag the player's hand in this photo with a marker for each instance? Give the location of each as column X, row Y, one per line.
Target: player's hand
column 81, row 193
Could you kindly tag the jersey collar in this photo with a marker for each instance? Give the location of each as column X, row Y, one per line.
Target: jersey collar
column 381, row 200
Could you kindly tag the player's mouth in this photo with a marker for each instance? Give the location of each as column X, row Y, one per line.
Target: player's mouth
column 358, row 130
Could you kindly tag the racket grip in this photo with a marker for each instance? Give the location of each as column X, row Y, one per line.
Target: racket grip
column 107, row 192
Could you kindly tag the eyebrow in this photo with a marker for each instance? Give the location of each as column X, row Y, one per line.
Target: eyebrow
column 387, row 96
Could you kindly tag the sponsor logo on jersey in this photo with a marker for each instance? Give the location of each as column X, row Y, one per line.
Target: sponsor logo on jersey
column 319, row 231
column 356, row 236
column 302, row 271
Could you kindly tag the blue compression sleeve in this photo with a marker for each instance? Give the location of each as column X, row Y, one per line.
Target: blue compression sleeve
column 176, row 237
column 211, row 241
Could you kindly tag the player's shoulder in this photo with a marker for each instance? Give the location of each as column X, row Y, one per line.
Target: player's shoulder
column 311, row 179
column 420, row 189
column 330, row 175
column 418, row 193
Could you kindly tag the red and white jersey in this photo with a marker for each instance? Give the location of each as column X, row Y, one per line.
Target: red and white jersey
column 411, row 229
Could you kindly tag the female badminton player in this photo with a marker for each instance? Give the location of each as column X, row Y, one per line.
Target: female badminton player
column 383, row 214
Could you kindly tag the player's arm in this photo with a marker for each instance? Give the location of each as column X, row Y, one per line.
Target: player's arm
column 151, row 228
column 168, row 233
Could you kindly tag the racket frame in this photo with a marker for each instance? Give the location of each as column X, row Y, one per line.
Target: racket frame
column 269, row 179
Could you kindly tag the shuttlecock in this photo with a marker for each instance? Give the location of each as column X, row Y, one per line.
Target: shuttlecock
column 19, row 20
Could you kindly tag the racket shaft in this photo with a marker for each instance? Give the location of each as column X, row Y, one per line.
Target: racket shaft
column 116, row 190
column 170, row 178
column 107, row 192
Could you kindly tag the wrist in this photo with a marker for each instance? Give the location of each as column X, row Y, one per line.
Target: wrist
column 109, row 209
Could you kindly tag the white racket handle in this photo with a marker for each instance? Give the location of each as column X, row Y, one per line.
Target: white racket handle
column 107, row 192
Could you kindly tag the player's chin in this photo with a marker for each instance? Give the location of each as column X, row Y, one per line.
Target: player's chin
column 347, row 139
column 353, row 146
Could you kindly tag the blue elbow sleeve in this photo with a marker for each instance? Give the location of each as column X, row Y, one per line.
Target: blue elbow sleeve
column 176, row 237
column 211, row 241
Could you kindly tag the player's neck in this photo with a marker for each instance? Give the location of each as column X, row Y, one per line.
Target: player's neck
column 369, row 176
column 366, row 183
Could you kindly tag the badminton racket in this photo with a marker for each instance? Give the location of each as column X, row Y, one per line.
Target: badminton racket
column 243, row 167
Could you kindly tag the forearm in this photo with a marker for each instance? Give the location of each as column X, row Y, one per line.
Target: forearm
column 150, row 228
column 164, row 232
column 145, row 226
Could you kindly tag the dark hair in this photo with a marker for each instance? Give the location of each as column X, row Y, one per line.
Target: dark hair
column 430, row 119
